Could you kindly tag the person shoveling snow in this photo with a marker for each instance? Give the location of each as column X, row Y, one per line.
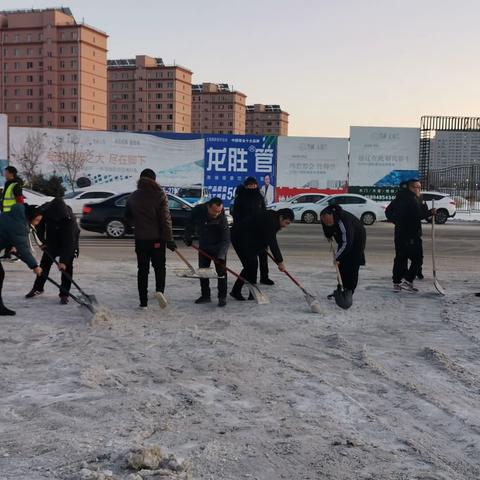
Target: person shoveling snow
column 14, row 232
column 350, row 236
column 209, row 223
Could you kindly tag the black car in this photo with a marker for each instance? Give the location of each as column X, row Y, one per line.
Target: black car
column 107, row 216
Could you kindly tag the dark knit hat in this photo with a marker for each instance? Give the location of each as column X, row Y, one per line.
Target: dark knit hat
column 250, row 181
column 149, row 173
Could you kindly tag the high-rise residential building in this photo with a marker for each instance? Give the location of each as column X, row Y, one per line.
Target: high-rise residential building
column 266, row 120
column 53, row 70
column 217, row 109
column 146, row 95
column 452, row 148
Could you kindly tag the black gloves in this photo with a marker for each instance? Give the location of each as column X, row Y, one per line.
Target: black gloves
column 171, row 245
column 188, row 242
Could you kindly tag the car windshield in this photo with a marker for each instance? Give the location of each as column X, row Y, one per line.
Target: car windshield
column 189, row 193
column 71, row 195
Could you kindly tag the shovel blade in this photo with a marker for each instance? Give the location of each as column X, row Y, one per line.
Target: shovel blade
column 439, row 288
column 343, row 298
column 313, row 303
column 259, row 296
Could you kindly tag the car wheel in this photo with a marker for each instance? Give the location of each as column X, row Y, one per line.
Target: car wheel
column 441, row 216
column 309, row 217
column 368, row 218
column 115, row 228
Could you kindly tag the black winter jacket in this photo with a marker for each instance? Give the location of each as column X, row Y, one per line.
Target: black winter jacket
column 255, row 234
column 213, row 233
column 407, row 212
column 147, row 211
column 248, row 202
column 58, row 230
column 350, row 235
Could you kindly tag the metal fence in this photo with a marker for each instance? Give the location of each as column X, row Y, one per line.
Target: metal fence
column 461, row 182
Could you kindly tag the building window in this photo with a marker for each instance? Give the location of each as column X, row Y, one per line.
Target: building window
column 62, row 49
column 62, row 105
column 16, row 92
column 62, row 63
column 73, row 105
column 62, row 78
column 49, row 109
column 74, row 77
column 49, row 123
column 17, row 65
column 159, row 95
column 169, row 127
column 17, row 37
column 74, row 50
column 62, row 119
column 74, row 118
column 30, row 92
column 170, row 106
column 29, row 37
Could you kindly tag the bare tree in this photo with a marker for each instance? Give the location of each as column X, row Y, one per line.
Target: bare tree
column 28, row 156
column 71, row 157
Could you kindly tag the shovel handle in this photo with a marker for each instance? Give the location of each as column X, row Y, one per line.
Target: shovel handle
column 286, row 272
column 184, row 260
column 339, row 276
column 217, row 261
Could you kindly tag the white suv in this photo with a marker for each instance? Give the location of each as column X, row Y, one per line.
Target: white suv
column 445, row 205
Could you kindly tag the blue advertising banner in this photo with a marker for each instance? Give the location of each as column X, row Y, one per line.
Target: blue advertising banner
column 230, row 159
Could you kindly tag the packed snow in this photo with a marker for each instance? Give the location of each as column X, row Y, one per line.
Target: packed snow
column 389, row 389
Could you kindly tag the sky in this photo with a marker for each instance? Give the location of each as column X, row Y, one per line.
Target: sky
column 328, row 63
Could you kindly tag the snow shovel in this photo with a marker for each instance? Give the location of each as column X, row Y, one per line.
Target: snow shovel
column 312, row 301
column 192, row 272
column 343, row 298
column 436, row 284
column 80, row 300
column 259, row 296
column 85, row 298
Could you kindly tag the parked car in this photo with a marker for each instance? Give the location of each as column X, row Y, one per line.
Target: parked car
column 194, row 194
column 76, row 200
column 445, row 205
column 362, row 207
column 107, row 216
column 297, row 199
column 35, row 198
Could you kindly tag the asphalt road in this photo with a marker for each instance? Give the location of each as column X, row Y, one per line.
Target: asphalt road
column 458, row 242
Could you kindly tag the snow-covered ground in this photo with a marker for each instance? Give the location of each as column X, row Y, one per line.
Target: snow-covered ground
column 389, row 389
column 467, row 217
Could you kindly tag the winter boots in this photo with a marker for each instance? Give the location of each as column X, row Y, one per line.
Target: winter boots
column 33, row 293
column 4, row 310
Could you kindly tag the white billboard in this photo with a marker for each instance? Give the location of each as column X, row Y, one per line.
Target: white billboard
column 309, row 164
column 383, row 156
column 110, row 159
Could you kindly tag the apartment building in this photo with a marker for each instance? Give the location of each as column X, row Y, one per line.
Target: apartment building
column 266, row 120
column 217, row 108
column 144, row 94
column 53, row 70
